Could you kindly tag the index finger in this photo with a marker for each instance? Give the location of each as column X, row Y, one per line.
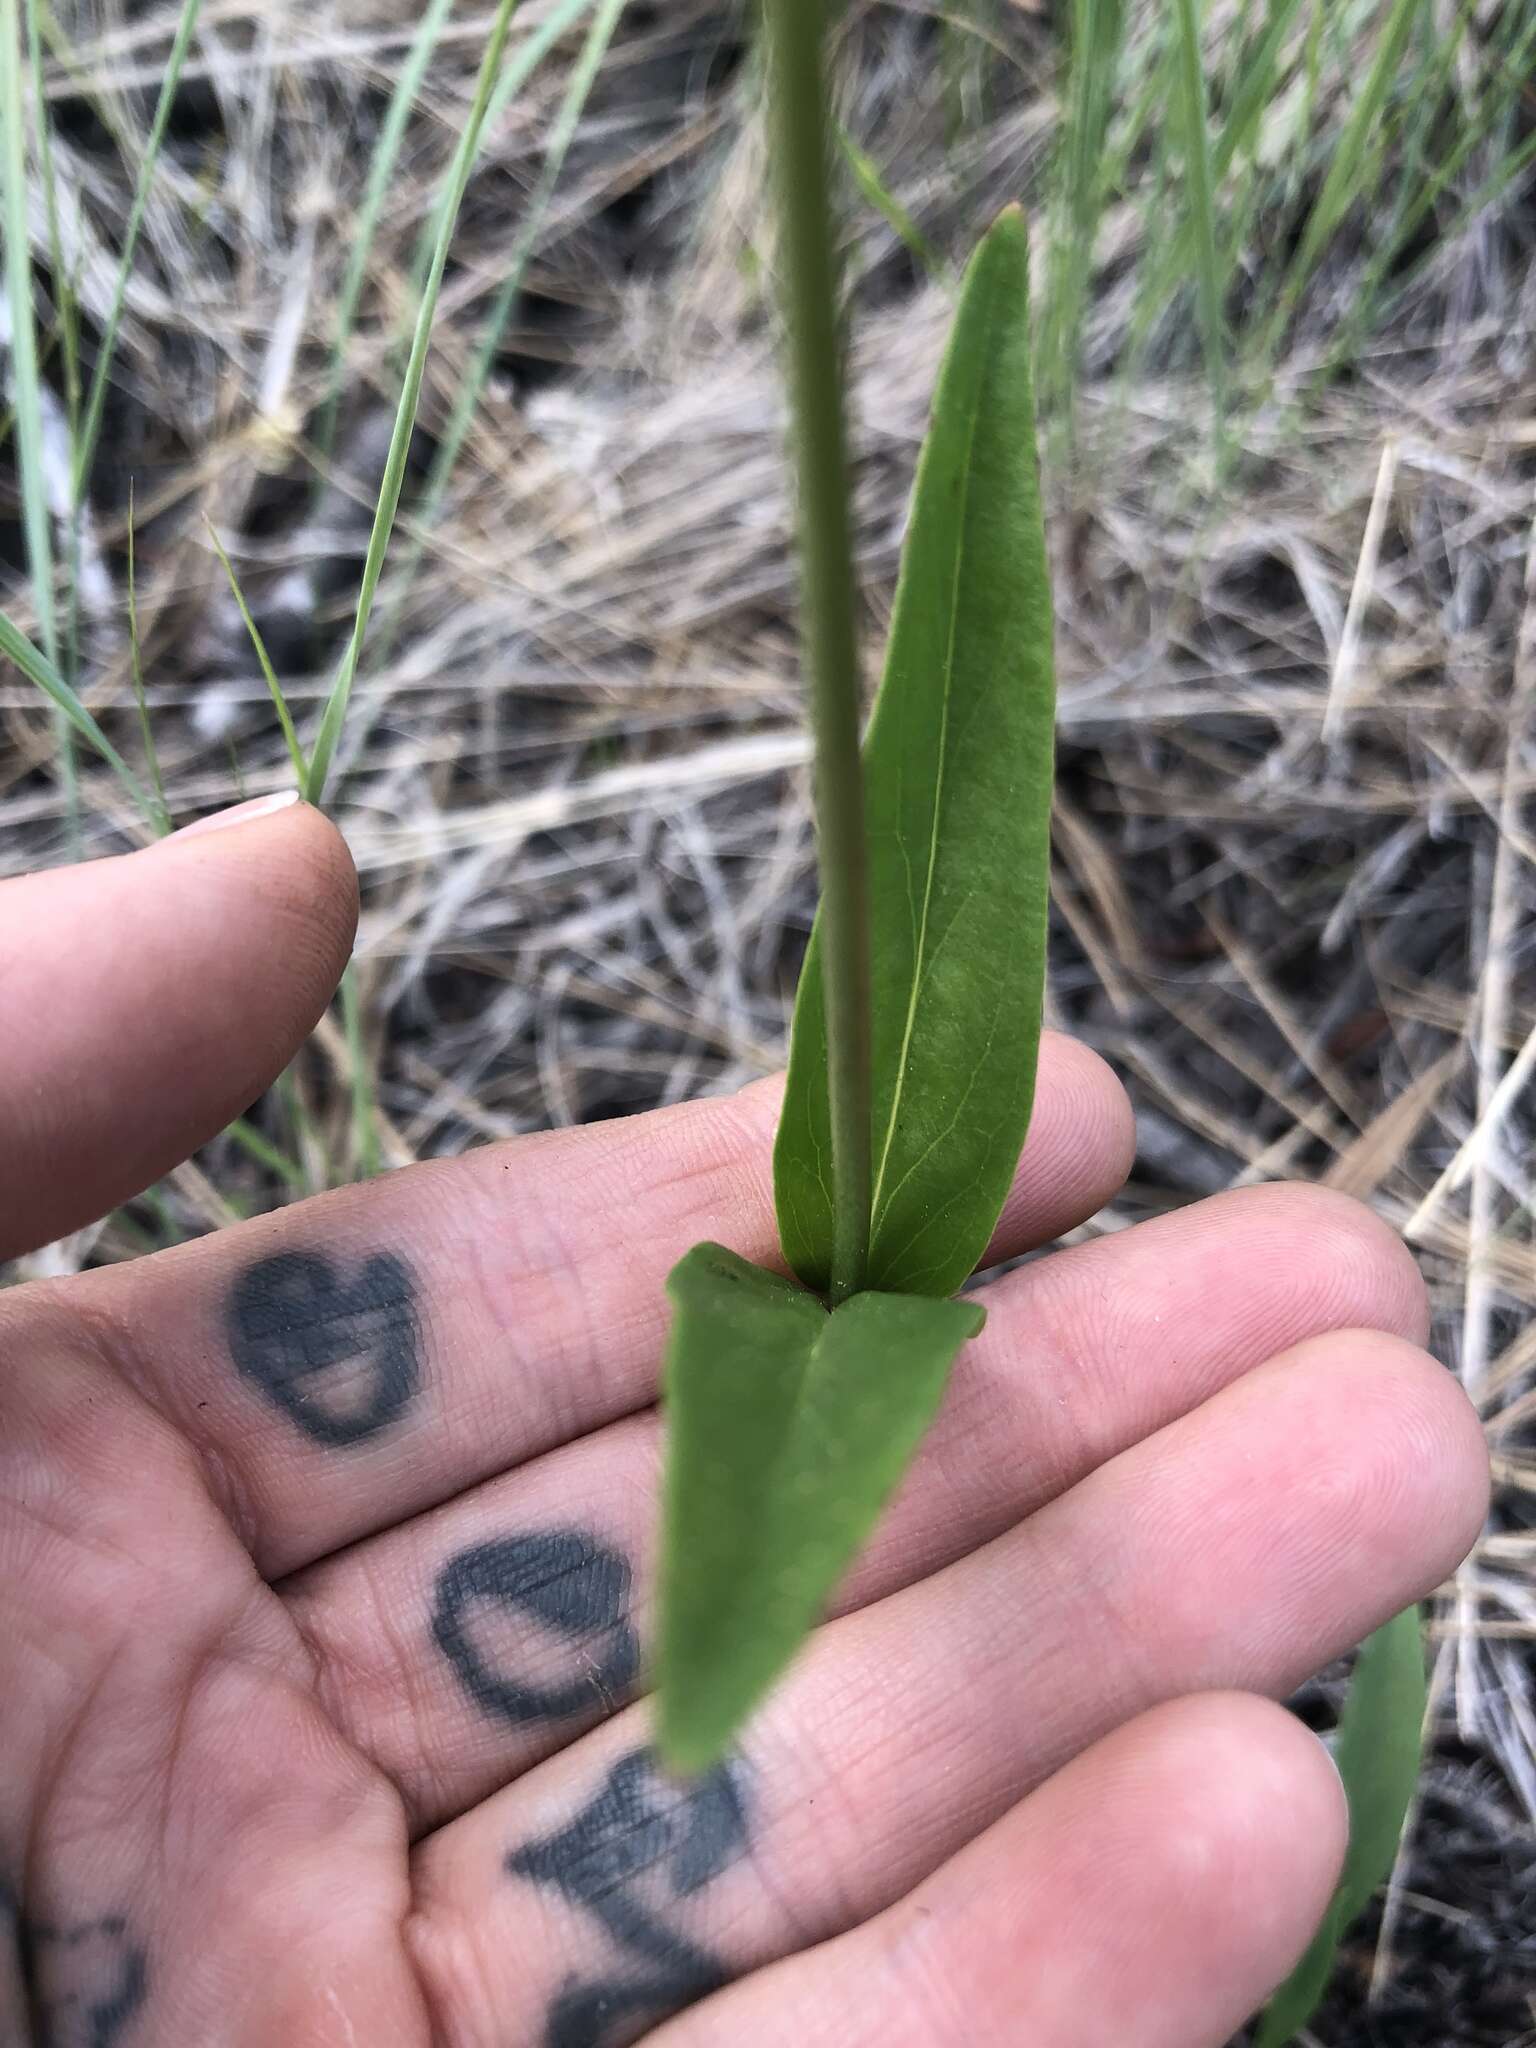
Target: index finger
column 371, row 1353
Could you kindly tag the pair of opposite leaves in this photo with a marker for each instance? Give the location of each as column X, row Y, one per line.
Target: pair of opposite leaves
column 789, row 1425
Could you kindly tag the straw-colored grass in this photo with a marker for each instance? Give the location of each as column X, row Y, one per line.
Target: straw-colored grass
column 1294, row 851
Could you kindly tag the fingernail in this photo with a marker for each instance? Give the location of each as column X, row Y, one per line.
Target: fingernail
column 240, row 814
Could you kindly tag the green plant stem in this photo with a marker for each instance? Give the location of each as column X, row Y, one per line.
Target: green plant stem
column 801, row 149
column 37, row 668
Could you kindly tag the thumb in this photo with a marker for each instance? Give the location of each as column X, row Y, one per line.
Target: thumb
column 147, row 999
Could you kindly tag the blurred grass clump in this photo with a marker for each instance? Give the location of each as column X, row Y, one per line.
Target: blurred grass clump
column 1284, row 342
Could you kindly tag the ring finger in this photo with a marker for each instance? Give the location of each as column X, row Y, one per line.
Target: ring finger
column 1153, row 1892
column 1241, row 1547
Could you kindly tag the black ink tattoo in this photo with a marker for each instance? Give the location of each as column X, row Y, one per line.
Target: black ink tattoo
column 565, row 1581
column 641, row 1845
column 84, row 1984
column 341, row 1358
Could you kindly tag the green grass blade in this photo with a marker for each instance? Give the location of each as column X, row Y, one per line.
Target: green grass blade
column 1097, row 42
column 467, row 397
column 35, row 516
column 1378, row 1753
column 1350, row 173
column 1423, row 193
column 1373, row 301
column 787, row 1431
column 274, row 687
column 85, row 446
column 136, row 671
column 957, row 778
column 334, row 714
column 1255, row 89
column 63, row 282
column 521, row 65
column 1195, row 134
column 36, row 667
column 1166, row 261
column 277, row 1162
column 310, row 1152
column 866, row 175
column 381, row 171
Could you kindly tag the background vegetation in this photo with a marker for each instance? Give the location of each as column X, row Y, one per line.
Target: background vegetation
column 1287, row 314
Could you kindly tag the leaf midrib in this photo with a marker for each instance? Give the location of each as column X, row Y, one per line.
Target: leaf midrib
column 938, row 803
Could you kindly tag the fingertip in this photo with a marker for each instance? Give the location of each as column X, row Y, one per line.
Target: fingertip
column 1080, row 1148
column 1156, row 1889
column 246, row 812
column 1230, row 1816
column 1353, row 1445
column 1354, row 1266
column 289, row 857
column 1091, row 1090
column 311, row 860
column 1262, row 1762
column 1435, row 1472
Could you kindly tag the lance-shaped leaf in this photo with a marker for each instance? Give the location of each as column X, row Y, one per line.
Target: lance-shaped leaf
column 957, row 768
column 788, row 1427
column 1380, row 1734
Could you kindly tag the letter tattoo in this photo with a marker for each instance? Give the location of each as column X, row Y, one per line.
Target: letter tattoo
column 84, row 1982
column 340, row 1358
column 637, row 1848
column 567, row 1583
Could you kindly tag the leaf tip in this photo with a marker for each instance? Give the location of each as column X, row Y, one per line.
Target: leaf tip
column 1011, row 225
column 696, row 1721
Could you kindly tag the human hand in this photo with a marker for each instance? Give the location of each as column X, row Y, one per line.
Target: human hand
column 327, row 1549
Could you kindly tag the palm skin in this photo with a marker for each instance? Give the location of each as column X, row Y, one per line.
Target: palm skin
column 328, row 1544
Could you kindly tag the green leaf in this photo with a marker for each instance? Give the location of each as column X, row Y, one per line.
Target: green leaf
column 1380, row 1733
column 788, row 1428
column 957, row 767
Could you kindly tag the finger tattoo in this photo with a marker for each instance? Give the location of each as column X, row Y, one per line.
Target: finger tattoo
column 562, row 1582
column 340, row 1356
column 641, row 1846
